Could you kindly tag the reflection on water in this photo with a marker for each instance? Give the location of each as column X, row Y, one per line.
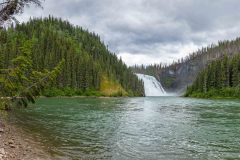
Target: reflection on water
column 135, row 128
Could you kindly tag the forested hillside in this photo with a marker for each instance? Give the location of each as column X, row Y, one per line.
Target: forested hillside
column 220, row 79
column 89, row 69
column 180, row 74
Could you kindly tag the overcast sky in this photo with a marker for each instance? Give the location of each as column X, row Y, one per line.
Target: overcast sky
column 149, row 31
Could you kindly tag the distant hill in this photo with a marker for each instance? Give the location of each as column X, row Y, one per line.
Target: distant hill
column 90, row 68
column 177, row 76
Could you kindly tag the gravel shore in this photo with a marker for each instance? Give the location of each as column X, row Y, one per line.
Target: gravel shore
column 16, row 145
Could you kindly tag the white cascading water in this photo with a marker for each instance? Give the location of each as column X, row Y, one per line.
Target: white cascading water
column 152, row 86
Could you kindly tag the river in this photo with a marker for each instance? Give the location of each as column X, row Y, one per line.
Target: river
column 134, row 128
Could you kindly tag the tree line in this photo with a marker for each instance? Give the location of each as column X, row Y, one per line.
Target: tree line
column 183, row 72
column 220, row 79
column 87, row 59
column 20, row 83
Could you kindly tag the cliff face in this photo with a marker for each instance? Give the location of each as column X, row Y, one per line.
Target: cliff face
column 176, row 77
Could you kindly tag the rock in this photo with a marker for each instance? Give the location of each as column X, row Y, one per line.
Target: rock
column 11, row 142
column 2, row 151
column 29, row 148
column 12, row 146
column 2, row 125
column 1, row 130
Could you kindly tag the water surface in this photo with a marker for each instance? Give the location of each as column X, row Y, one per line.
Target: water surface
column 135, row 128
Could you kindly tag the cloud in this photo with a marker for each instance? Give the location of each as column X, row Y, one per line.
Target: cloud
column 149, row 31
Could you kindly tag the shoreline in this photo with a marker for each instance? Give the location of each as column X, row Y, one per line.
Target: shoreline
column 15, row 144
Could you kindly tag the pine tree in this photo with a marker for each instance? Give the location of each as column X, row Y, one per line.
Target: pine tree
column 87, row 59
column 222, row 77
column 21, row 83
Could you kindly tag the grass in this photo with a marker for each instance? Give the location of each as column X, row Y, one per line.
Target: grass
column 111, row 88
column 224, row 93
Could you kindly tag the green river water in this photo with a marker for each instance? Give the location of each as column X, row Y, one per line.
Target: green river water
column 148, row 128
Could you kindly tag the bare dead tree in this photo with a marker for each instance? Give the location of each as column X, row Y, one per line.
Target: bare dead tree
column 10, row 8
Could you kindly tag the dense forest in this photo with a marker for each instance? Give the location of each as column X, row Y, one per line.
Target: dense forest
column 89, row 68
column 177, row 76
column 152, row 69
column 220, row 79
column 20, row 83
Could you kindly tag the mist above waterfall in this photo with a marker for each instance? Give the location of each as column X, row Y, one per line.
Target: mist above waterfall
column 152, row 86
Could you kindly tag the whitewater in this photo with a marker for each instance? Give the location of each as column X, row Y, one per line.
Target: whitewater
column 152, row 86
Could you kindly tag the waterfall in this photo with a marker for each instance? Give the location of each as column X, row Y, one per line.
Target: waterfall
column 152, row 86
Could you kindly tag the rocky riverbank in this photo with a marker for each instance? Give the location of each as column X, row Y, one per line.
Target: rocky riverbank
column 16, row 145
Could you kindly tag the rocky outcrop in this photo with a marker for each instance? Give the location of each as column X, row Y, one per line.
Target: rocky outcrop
column 176, row 77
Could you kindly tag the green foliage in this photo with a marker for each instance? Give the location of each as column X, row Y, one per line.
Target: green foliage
column 20, row 83
column 218, row 93
column 184, row 70
column 220, row 79
column 86, row 57
column 167, row 81
column 152, row 70
column 53, row 92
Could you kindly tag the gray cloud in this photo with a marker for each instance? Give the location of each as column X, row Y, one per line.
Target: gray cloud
column 151, row 28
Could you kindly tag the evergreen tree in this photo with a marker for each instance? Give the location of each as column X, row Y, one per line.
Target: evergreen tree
column 220, row 78
column 20, row 83
column 87, row 59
